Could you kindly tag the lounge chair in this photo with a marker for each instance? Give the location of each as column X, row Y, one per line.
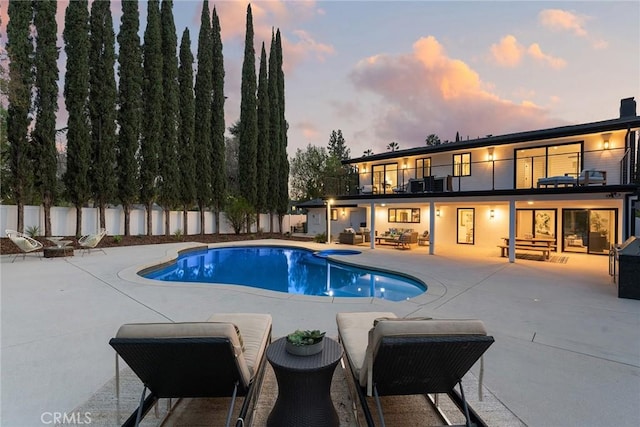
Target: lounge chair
column 91, row 241
column 409, row 356
column 25, row 243
column 222, row 357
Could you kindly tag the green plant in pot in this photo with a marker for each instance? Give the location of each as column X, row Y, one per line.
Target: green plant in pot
column 305, row 343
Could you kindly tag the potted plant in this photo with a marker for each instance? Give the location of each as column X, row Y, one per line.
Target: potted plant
column 305, row 343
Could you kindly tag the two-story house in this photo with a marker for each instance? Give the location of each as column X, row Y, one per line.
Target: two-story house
column 574, row 188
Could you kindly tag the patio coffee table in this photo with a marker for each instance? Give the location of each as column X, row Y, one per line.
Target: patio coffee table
column 60, row 250
column 304, row 386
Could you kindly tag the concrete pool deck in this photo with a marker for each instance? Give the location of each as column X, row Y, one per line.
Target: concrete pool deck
column 567, row 349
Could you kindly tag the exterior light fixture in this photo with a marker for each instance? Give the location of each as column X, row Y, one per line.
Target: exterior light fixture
column 343, row 212
column 605, row 144
column 492, row 213
column 490, row 155
column 437, row 212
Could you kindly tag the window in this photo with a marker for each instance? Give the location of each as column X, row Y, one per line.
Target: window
column 404, row 215
column 466, row 220
column 543, row 162
column 385, row 178
column 462, row 164
column 423, row 168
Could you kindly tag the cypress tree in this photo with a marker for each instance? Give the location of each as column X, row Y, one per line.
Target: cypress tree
column 19, row 48
column 283, row 166
column 152, row 119
column 76, row 94
column 102, row 105
column 130, row 100
column 44, row 134
column 202, row 129
column 218, row 177
column 275, row 131
column 170, row 184
column 248, row 120
column 185, row 128
column 263, row 138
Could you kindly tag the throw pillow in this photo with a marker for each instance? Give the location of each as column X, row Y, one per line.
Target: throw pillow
column 395, row 319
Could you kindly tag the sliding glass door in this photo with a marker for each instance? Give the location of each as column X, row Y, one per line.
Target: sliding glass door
column 589, row 230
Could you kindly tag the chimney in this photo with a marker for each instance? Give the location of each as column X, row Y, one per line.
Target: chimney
column 627, row 107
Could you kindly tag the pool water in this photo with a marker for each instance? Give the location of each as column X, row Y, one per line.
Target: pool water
column 288, row 270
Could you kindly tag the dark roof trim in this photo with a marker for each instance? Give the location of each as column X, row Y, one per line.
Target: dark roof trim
column 529, row 136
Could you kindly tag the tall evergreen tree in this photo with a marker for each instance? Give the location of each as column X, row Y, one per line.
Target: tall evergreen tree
column 130, row 100
column 44, row 133
column 283, row 167
column 218, row 176
column 170, row 184
column 202, row 130
column 263, row 153
column 76, row 94
column 248, row 119
column 185, row 129
column 152, row 119
column 275, row 132
column 337, row 146
column 102, row 105
column 19, row 48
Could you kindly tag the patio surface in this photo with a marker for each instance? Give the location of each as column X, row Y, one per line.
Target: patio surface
column 566, row 352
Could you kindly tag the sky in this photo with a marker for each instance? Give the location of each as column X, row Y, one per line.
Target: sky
column 383, row 71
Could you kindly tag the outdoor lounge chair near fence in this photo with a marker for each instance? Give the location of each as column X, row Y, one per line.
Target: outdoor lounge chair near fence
column 89, row 242
column 390, row 356
column 222, row 357
column 24, row 242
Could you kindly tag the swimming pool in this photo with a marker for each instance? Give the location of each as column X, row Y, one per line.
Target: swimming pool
column 286, row 269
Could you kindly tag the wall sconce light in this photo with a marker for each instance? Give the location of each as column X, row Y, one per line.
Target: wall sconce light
column 492, row 213
column 605, row 144
column 490, row 156
column 437, row 212
column 343, row 212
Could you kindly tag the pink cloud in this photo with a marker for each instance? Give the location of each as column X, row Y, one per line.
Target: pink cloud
column 308, row 129
column 508, row 52
column 562, row 20
column 535, row 52
column 425, row 91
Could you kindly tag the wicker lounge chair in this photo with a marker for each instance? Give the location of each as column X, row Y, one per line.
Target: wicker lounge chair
column 223, row 357
column 91, row 241
column 24, row 242
column 409, row 356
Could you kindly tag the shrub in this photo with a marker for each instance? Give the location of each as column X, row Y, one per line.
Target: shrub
column 117, row 238
column 320, row 238
column 32, row 231
column 178, row 234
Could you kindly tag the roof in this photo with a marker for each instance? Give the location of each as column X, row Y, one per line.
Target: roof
column 528, row 136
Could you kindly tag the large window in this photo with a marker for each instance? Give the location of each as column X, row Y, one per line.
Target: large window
column 404, row 215
column 542, row 162
column 589, row 230
column 385, row 177
column 462, row 164
column 538, row 223
column 466, row 222
column 423, row 168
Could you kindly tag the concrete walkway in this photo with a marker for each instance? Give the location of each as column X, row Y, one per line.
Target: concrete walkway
column 567, row 350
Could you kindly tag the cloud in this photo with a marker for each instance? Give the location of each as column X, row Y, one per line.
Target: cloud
column 535, row 52
column 425, row 91
column 297, row 45
column 308, row 129
column 562, row 20
column 508, row 52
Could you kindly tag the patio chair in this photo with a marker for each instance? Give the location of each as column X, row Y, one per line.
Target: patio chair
column 390, row 356
column 90, row 242
column 25, row 243
column 222, row 357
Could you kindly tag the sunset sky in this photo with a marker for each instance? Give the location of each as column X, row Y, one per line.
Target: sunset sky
column 385, row 71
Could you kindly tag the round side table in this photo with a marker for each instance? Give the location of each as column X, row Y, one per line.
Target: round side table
column 304, row 386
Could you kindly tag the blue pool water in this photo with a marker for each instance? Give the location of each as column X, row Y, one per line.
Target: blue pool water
column 289, row 270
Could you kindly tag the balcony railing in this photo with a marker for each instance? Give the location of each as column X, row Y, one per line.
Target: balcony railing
column 498, row 174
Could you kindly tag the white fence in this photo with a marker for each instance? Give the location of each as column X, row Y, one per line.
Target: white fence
column 63, row 221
